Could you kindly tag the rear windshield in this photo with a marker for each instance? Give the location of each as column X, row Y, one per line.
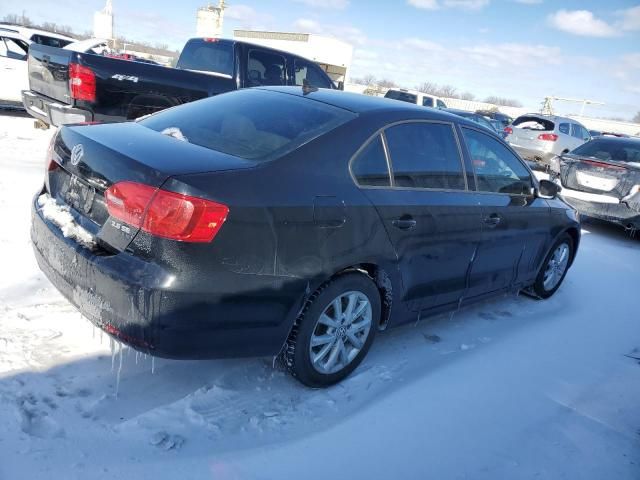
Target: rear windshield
column 49, row 41
column 252, row 124
column 208, row 55
column 533, row 123
column 611, row 149
column 402, row 96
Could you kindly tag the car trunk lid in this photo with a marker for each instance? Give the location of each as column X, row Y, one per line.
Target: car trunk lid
column 91, row 158
column 596, row 176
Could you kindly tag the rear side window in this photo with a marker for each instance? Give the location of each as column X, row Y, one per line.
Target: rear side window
column 533, row 123
column 497, row 169
column 425, row 155
column 564, row 128
column 310, row 72
column 427, row 102
column 208, row 56
column 370, row 166
column 402, row 96
column 265, row 68
column 251, row 124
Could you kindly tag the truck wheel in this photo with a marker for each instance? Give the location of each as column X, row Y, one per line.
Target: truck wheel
column 334, row 332
column 554, row 268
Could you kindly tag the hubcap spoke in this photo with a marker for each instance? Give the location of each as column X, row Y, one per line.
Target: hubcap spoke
column 340, row 332
column 556, row 267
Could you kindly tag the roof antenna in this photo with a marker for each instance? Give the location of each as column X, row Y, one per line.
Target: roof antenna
column 307, row 88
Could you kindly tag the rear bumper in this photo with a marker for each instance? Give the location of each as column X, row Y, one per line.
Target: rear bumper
column 51, row 111
column 602, row 207
column 538, row 156
column 143, row 306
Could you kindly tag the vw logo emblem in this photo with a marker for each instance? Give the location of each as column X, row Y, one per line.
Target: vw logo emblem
column 77, row 152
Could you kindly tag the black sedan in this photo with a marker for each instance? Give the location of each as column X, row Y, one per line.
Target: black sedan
column 291, row 222
column 601, row 179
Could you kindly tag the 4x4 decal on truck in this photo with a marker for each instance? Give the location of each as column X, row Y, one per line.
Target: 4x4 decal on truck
column 130, row 78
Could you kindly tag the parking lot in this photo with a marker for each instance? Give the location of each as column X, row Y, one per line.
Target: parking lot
column 512, row 388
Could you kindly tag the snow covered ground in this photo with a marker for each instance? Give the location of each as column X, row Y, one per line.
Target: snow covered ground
column 514, row 388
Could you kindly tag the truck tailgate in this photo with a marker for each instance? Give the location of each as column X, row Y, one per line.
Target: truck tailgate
column 49, row 71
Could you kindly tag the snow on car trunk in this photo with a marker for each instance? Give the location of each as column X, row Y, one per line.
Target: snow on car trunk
column 513, row 388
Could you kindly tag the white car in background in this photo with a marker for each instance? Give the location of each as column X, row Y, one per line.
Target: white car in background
column 36, row 35
column 14, row 49
column 413, row 96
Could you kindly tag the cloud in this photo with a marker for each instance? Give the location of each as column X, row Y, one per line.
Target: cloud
column 348, row 33
column 630, row 19
column 460, row 4
column 247, row 17
column 581, row 22
column 329, row 4
column 529, row 2
column 513, row 55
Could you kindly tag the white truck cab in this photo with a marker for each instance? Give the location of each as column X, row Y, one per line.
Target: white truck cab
column 413, row 96
column 14, row 50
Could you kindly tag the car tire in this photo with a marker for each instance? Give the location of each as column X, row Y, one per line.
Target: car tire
column 342, row 315
column 555, row 267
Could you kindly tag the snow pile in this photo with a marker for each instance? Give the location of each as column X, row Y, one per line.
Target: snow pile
column 511, row 388
column 61, row 216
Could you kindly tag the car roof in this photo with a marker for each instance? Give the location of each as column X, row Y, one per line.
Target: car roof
column 361, row 104
column 28, row 31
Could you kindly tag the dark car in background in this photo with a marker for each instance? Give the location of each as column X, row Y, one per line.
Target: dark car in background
column 69, row 86
column 503, row 118
column 476, row 118
column 291, row 221
column 601, row 179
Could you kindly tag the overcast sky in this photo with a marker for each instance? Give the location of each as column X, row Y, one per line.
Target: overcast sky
column 523, row 49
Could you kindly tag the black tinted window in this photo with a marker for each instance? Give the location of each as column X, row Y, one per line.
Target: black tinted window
column 265, row 68
column 425, row 155
column 611, row 149
column 427, row 102
column 310, row 72
column 370, row 166
column 497, row 169
column 402, row 96
column 49, row 41
column 209, row 55
column 251, row 124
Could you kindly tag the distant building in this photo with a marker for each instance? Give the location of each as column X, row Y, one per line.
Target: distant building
column 103, row 22
column 332, row 54
column 209, row 20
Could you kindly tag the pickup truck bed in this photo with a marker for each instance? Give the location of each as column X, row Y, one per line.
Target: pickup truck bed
column 70, row 87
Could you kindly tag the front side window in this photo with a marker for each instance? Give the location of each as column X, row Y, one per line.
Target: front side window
column 310, row 72
column 265, row 68
column 441, row 104
column 497, row 168
column 425, row 155
column 579, row 132
column 427, row 102
column 14, row 49
column 370, row 166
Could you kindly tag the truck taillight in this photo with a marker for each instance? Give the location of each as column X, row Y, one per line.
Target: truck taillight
column 549, row 137
column 508, row 130
column 82, row 82
column 165, row 214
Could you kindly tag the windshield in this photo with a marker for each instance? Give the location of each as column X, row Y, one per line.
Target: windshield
column 208, row 55
column 402, row 96
column 533, row 123
column 251, row 124
column 611, row 149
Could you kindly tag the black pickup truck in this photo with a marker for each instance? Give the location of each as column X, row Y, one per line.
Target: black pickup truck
column 70, row 87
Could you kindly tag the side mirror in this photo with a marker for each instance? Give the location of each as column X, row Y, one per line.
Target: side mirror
column 547, row 189
column 340, row 85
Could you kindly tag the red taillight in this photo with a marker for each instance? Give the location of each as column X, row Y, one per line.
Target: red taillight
column 210, row 40
column 166, row 214
column 82, row 82
column 508, row 130
column 549, row 137
column 603, row 165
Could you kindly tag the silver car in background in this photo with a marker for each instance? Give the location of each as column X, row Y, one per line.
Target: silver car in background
column 539, row 138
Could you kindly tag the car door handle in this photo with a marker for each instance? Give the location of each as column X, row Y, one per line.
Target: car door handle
column 493, row 220
column 404, row 223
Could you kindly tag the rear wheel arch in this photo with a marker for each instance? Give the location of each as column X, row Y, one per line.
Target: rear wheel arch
column 575, row 237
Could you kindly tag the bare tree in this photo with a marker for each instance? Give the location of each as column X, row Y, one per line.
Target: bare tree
column 448, row 91
column 17, row 19
column 386, row 83
column 428, row 87
column 467, row 96
column 505, row 102
column 636, row 119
